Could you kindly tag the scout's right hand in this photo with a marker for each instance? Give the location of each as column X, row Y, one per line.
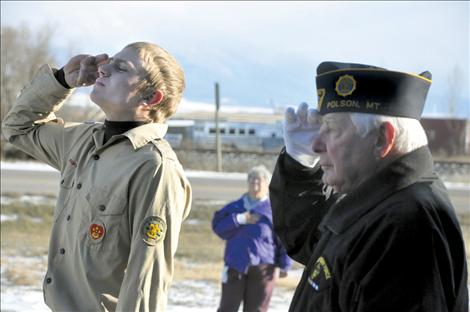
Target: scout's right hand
column 300, row 130
column 252, row 218
column 82, row 70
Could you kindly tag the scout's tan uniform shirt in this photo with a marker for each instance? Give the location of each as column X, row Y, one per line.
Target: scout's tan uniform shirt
column 120, row 206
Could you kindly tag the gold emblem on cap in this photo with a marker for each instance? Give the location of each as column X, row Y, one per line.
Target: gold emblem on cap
column 345, row 85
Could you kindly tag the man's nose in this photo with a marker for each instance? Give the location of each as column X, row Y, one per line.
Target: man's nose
column 318, row 145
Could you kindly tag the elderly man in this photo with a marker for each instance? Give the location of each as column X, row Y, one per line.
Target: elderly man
column 123, row 193
column 355, row 199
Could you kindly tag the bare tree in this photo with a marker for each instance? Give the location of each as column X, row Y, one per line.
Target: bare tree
column 22, row 53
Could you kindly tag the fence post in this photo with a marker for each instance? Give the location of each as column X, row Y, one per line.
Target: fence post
column 217, row 130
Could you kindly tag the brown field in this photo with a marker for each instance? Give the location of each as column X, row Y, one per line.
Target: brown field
column 24, row 244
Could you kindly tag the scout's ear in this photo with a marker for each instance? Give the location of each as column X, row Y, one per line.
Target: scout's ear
column 386, row 139
column 156, row 98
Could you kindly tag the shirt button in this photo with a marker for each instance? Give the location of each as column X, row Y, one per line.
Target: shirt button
column 62, row 251
column 102, row 207
column 48, row 280
column 96, row 157
column 79, row 186
column 68, row 218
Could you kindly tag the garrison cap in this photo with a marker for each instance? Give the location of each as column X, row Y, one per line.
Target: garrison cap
column 346, row 87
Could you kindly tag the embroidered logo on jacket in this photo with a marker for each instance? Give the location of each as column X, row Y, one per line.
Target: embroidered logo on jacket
column 153, row 230
column 319, row 274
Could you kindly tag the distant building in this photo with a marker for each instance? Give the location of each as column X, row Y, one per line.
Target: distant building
column 235, row 136
column 447, row 137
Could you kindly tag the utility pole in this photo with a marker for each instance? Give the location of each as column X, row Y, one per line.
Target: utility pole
column 217, row 130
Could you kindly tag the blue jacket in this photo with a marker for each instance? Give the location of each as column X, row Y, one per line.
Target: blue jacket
column 249, row 244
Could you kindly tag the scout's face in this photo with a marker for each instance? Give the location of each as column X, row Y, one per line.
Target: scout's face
column 257, row 186
column 346, row 158
column 116, row 88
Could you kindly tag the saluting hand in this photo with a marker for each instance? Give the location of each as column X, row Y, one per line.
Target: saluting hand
column 82, row 70
column 300, row 130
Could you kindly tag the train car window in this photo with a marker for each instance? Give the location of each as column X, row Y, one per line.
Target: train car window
column 251, row 132
column 212, row 130
column 231, row 131
column 241, row 131
column 222, row 131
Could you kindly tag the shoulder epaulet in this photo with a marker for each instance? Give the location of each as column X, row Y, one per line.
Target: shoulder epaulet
column 164, row 148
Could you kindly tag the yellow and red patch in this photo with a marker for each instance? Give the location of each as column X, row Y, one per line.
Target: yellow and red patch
column 96, row 231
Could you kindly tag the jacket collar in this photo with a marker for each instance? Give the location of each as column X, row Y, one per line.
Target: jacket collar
column 406, row 170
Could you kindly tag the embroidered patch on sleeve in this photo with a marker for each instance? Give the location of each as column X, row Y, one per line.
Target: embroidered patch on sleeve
column 152, row 230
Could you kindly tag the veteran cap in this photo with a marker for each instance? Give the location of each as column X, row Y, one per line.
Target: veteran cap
column 346, row 87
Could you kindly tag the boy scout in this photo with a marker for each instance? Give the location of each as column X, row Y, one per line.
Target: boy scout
column 355, row 199
column 123, row 193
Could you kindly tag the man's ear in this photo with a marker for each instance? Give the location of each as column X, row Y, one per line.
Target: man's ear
column 156, row 99
column 386, row 139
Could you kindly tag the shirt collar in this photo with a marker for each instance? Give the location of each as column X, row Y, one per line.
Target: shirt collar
column 139, row 136
column 408, row 169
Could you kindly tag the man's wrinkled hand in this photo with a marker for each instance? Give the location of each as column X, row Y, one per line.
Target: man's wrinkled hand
column 300, row 130
column 82, row 70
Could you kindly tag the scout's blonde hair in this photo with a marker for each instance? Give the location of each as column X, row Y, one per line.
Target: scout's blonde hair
column 162, row 72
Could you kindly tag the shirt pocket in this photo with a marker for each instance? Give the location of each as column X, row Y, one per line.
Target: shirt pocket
column 66, row 185
column 103, row 218
column 105, row 204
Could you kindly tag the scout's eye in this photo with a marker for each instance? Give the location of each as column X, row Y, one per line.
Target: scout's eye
column 120, row 67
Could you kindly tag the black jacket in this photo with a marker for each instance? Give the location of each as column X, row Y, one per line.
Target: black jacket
column 392, row 245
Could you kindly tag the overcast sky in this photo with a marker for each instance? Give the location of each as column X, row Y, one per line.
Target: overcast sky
column 266, row 53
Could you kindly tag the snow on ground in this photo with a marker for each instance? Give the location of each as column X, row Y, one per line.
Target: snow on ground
column 36, row 166
column 189, row 299
column 184, row 296
column 6, row 218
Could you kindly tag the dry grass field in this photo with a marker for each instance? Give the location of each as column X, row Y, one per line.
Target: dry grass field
column 24, row 243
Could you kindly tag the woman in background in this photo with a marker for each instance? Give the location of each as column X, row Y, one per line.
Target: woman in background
column 253, row 253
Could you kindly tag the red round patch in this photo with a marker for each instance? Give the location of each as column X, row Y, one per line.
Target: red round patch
column 96, row 231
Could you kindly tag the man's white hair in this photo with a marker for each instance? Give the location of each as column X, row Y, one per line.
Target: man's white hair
column 409, row 134
column 260, row 171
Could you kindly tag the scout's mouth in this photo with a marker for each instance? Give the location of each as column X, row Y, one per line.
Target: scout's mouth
column 98, row 82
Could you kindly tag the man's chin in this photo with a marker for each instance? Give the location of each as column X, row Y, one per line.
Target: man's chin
column 336, row 188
